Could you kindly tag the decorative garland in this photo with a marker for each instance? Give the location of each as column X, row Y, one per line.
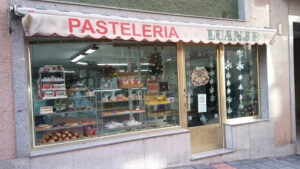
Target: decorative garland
column 155, row 67
column 240, row 67
column 228, row 66
column 200, row 76
column 212, row 74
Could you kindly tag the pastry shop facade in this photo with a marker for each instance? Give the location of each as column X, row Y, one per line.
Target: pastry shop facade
column 125, row 92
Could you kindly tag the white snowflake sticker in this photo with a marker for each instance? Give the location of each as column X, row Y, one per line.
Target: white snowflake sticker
column 229, row 110
column 229, row 99
column 228, row 91
column 211, row 81
column 228, row 83
column 240, row 77
column 211, row 90
column 228, row 65
column 212, row 98
column 241, row 106
column 228, row 75
column 239, row 66
column 241, row 87
column 212, row 73
column 240, row 53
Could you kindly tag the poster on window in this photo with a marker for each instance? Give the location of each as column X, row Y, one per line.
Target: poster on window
column 202, row 103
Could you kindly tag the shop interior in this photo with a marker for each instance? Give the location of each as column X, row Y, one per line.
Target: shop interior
column 83, row 88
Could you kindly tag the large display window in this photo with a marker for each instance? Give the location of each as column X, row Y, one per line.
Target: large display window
column 83, row 88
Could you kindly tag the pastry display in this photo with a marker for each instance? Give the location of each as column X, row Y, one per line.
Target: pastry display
column 46, row 109
column 71, row 124
column 89, row 131
column 128, row 79
column 43, row 126
column 155, row 99
column 131, row 123
column 113, row 125
column 58, row 136
column 88, row 122
column 121, row 97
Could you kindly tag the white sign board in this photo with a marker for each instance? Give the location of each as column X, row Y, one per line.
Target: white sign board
column 202, row 103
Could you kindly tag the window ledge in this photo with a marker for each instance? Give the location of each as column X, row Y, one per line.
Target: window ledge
column 67, row 148
column 241, row 121
column 207, row 154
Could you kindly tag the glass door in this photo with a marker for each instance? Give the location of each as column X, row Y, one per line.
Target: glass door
column 203, row 117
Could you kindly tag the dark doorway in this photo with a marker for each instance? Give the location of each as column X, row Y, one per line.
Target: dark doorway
column 297, row 79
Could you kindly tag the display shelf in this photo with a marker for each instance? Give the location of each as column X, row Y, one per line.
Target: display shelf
column 59, row 113
column 51, row 89
column 57, row 97
column 105, row 130
column 120, row 101
column 64, row 127
column 123, row 113
column 157, row 104
column 52, row 81
column 66, row 97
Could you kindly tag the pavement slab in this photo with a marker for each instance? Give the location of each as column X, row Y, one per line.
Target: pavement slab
column 287, row 162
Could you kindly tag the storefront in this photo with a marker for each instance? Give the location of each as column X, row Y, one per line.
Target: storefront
column 93, row 77
column 141, row 92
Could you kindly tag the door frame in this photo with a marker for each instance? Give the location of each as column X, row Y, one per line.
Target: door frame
column 221, row 87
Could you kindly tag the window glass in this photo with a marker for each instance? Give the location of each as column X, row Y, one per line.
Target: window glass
column 84, row 88
column 201, row 85
column 241, row 81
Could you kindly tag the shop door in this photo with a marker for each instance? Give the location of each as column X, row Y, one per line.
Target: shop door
column 202, row 91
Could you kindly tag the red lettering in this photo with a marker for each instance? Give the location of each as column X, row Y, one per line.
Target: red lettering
column 123, row 28
column 72, row 24
column 87, row 26
column 146, row 28
column 157, row 30
column 133, row 31
column 100, row 26
column 166, row 33
column 113, row 24
column 173, row 33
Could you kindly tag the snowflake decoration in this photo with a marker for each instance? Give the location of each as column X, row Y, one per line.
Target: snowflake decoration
column 212, row 98
column 203, row 118
column 211, row 65
column 211, row 81
column 252, row 82
column 212, row 73
column 229, row 110
column 241, row 97
column 240, row 53
column 211, row 90
column 216, row 116
column 228, row 91
column 228, row 75
column 229, row 99
column 241, row 87
column 239, row 66
column 228, row 83
column 228, row 65
column 241, row 106
column 240, row 77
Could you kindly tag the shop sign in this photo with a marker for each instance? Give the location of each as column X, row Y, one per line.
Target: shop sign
column 98, row 26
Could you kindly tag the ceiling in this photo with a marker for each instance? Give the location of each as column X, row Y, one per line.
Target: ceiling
column 60, row 51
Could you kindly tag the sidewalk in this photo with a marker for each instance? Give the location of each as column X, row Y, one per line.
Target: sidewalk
column 288, row 162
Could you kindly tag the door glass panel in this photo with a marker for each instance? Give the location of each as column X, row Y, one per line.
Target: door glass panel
column 201, row 85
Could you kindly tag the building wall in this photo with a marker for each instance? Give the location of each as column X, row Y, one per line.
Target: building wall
column 208, row 8
column 7, row 124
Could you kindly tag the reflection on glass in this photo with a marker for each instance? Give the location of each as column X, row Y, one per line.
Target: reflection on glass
column 201, row 84
column 241, row 81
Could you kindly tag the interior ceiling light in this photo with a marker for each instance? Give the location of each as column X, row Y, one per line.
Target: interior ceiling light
column 77, row 58
column 81, row 63
column 90, row 51
column 112, row 64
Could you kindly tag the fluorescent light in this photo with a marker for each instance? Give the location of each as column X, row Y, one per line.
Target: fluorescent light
column 145, row 64
column 90, row 51
column 77, row 58
column 81, row 63
column 143, row 70
column 69, row 71
column 112, row 64
column 168, row 60
column 106, row 90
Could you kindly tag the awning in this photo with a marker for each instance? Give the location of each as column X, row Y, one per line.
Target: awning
column 65, row 24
